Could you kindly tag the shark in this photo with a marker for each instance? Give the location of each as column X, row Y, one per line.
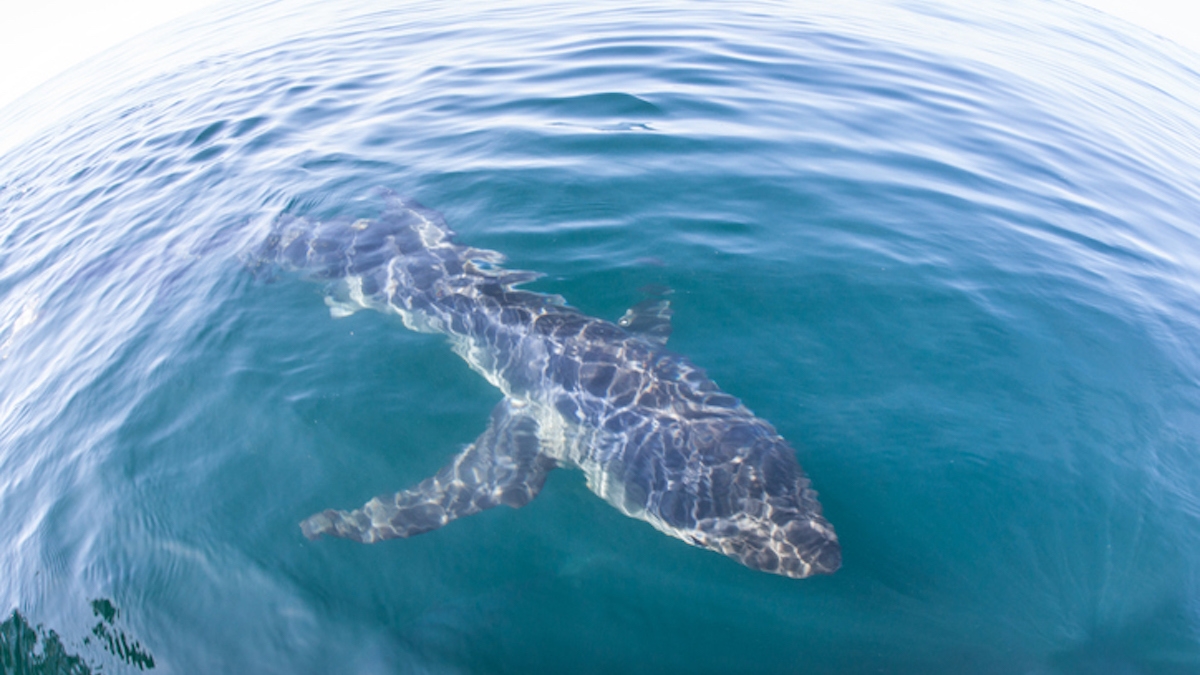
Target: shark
column 654, row 435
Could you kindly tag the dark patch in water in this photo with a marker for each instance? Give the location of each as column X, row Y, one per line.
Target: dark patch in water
column 104, row 609
column 114, row 641
column 26, row 650
column 20, row 651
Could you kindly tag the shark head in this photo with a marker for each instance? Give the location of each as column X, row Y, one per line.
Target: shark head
column 732, row 485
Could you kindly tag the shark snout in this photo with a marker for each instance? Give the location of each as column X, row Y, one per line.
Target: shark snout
column 828, row 557
column 809, row 547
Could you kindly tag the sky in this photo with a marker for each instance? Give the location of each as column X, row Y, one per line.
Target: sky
column 41, row 39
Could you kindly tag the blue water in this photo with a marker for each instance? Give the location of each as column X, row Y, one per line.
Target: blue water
column 948, row 249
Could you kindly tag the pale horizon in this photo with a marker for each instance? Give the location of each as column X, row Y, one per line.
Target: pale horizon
column 39, row 42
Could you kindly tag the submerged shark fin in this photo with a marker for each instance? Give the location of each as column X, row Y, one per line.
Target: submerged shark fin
column 503, row 466
column 650, row 319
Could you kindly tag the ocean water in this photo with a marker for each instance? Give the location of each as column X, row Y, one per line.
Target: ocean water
column 948, row 249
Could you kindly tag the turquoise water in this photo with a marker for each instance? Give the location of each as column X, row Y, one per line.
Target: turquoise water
column 949, row 251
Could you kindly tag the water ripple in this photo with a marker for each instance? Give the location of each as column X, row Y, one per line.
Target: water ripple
column 950, row 251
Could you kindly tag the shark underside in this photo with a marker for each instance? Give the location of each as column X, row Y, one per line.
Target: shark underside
column 656, row 438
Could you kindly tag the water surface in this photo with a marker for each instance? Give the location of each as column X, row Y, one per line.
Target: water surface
column 949, row 251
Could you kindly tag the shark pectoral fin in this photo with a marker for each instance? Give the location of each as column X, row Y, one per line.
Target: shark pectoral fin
column 345, row 297
column 504, row 465
column 650, row 319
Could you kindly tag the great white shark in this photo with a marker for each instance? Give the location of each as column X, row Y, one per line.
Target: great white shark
column 656, row 438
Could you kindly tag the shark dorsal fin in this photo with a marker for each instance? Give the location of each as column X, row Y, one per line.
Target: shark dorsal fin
column 650, row 319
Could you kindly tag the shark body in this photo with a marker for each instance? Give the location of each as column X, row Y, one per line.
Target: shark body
column 656, row 438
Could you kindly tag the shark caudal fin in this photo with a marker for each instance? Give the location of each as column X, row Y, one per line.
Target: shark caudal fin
column 504, row 465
